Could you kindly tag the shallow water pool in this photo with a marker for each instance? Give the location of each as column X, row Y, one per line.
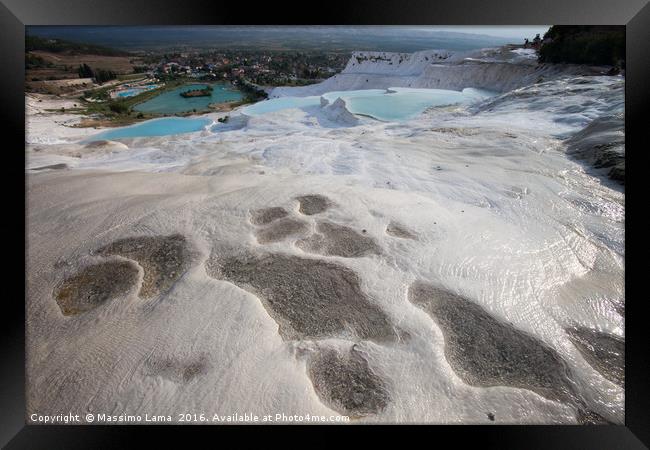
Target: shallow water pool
column 155, row 127
column 172, row 102
column 134, row 91
column 277, row 104
column 392, row 104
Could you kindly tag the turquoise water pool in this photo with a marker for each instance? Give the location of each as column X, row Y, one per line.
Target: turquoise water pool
column 134, row 91
column 171, row 102
column 277, row 104
column 332, row 96
column 128, row 92
column 403, row 103
column 393, row 104
column 156, row 127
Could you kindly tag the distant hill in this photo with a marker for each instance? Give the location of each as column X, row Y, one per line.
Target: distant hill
column 48, row 61
column 271, row 38
column 584, row 44
column 36, row 43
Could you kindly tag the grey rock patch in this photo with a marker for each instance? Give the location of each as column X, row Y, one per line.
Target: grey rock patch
column 456, row 131
column 313, row 204
column 586, row 417
column 60, row 166
column 338, row 240
column 602, row 145
column 97, row 143
column 281, row 229
column 486, row 352
column 604, row 352
column 619, row 306
column 308, row 298
column 177, row 370
column 617, row 172
column 94, row 285
column 164, row 260
column 516, row 192
column 398, row 230
column 346, row 383
column 267, row 215
column 103, row 144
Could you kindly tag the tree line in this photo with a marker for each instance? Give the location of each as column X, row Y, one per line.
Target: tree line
column 584, row 44
column 60, row 45
column 99, row 75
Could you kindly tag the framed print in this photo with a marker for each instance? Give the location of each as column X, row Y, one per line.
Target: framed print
column 376, row 217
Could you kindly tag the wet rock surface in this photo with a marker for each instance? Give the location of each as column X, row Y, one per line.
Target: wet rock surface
column 338, row 240
column 346, row 383
column 396, row 229
column 604, row 352
column 267, row 215
column 313, row 204
column 94, row 285
column 484, row 351
column 164, row 260
column 281, row 229
column 619, row 306
column 308, row 298
column 60, row 166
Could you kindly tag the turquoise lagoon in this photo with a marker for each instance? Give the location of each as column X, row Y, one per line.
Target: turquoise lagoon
column 171, row 102
column 392, row 104
column 277, row 104
column 399, row 104
column 134, row 91
column 155, row 127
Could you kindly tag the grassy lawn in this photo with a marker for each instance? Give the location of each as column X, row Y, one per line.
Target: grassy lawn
column 131, row 77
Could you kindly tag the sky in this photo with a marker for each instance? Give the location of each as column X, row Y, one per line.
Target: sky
column 514, row 31
column 331, row 38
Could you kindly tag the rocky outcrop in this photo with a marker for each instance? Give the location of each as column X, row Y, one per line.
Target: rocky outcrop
column 338, row 113
column 602, row 145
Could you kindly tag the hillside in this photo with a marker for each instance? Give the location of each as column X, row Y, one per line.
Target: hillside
column 583, row 44
column 49, row 61
column 33, row 43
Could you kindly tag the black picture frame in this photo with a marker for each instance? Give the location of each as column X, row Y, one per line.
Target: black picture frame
column 15, row 14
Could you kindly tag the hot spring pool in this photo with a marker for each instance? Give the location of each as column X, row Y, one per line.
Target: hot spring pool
column 172, row 102
column 277, row 104
column 405, row 103
column 392, row 104
column 155, row 127
column 134, row 91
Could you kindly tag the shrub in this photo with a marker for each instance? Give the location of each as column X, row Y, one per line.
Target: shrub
column 119, row 107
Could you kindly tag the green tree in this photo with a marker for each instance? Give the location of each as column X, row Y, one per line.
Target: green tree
column 85, row 71
column 119, row 107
